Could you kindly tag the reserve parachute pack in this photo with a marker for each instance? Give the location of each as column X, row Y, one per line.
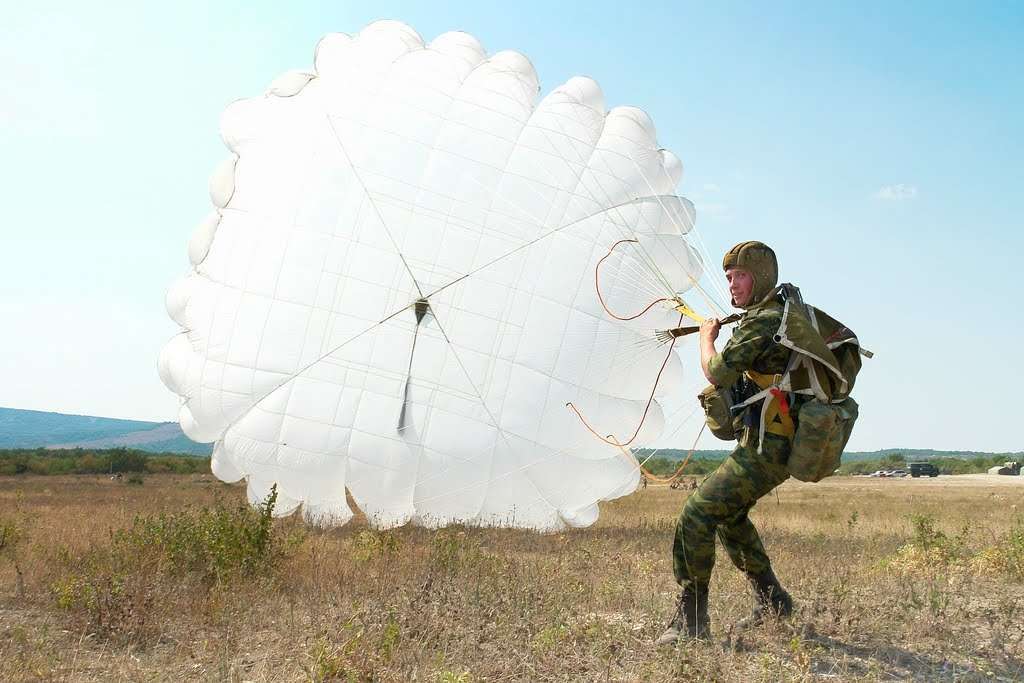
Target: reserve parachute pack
column 823, row 365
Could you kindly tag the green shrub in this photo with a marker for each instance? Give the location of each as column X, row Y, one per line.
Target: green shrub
column 120, row 587
column 216, row 544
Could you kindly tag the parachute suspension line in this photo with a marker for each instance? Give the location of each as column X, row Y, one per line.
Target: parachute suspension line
column 702, row 250
column 659, row 279
column 610, row 439
column 597, row 286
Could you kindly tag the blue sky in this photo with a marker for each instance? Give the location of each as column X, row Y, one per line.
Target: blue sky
column 877, row 146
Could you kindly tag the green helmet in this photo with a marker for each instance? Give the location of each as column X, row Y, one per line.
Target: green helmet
column 758, row 259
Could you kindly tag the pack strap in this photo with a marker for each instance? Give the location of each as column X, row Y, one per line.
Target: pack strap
column 775, row 413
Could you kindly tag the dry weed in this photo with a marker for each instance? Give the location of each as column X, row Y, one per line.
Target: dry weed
column 900, row 579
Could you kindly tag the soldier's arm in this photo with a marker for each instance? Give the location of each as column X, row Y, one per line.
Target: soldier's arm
column 748, row 341
column 709, row 330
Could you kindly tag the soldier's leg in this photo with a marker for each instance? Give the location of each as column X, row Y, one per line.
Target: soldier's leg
column 720, row 499
column 764, row 472
column 741, row 540
column 743, row 543
column 693, row 550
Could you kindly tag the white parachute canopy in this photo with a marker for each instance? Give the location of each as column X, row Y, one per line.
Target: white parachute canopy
column 395, row 293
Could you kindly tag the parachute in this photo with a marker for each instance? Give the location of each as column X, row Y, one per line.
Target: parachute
column 397, row 296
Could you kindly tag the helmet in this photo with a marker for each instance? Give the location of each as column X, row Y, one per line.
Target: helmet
column 758, row 259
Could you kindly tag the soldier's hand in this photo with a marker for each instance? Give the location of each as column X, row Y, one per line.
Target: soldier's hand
column 709, row 329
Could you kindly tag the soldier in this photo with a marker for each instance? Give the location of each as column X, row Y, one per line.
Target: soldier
column 723, row 500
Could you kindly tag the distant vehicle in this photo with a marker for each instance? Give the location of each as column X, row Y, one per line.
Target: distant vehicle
column 898, row 473
column 921, row 469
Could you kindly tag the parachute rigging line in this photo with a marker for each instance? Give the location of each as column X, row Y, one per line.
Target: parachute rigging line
column 610, row 439
column 597, row 286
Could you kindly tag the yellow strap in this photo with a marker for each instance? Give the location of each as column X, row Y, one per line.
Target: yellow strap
column 763, row 381
column 688, row 312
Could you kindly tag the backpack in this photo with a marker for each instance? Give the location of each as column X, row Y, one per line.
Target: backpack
column 825, row 357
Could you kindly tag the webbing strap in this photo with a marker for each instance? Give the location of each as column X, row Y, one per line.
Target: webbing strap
column 763, row 381
column 688, row 312
column 775, row 415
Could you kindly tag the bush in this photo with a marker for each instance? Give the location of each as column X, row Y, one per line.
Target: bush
column 215, row 544
column 121, row 587
column 123, row 460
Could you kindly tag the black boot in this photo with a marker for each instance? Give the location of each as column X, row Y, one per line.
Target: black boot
column 691, row 617
column 771, row 601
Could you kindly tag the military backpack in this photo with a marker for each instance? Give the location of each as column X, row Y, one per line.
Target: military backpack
column 825, row 357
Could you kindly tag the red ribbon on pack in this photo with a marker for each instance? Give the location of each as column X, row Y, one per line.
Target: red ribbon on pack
column 780, row 396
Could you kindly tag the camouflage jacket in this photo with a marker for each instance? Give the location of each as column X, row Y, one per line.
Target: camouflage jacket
column 752, row 347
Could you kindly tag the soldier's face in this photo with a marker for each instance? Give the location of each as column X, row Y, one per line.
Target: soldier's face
column 741, row 285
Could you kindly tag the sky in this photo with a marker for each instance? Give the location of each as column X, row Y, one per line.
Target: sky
column 877, row 147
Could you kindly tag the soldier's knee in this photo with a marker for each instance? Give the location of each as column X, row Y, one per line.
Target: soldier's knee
column 697, row 515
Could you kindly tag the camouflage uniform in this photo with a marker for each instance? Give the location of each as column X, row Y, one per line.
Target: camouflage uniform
column 723, row 500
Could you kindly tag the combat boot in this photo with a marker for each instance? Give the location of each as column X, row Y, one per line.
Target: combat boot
column 690, row 619
column 771, row 601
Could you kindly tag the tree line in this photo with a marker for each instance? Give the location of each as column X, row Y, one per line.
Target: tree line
column 946, row 465
column 119, row 460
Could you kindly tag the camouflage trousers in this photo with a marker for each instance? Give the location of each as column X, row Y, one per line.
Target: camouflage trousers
column 720, row 505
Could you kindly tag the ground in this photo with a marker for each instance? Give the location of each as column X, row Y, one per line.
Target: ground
column 895, row 579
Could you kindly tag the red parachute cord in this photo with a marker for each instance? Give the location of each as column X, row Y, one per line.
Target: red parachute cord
column 610, row 439
column 679, row 470
column 597, row 286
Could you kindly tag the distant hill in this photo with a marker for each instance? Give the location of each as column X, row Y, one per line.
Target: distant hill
column 40, row 429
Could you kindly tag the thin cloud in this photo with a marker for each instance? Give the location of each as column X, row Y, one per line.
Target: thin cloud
column 897, row 193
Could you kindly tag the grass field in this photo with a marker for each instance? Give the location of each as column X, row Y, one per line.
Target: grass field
column 895, row 579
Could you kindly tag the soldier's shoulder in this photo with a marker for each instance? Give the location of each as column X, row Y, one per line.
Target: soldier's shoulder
column 768, row 314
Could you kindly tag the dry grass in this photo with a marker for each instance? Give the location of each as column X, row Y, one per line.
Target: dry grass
column 879, row 600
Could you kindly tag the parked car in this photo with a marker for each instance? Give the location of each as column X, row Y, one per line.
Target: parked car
column 920, row 469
